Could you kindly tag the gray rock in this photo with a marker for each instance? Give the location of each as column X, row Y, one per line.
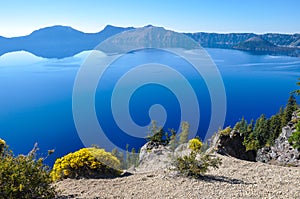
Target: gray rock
column 157, row 158
column 281, row 152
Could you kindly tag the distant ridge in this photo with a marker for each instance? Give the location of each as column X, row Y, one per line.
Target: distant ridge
column 63, row 41
column 147, row 37
column 254, row 44
column 258, row 45
column 57, row 41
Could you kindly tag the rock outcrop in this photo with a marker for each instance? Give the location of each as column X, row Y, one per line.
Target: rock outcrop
column 159, row 157
column 281, row 152
column 154, row 158
column 231, row 145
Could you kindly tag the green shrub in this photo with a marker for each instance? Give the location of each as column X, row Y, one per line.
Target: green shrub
column 226, row 131
column 195, row 165
column 24, row 176
column 86, row 163
column 294, row 140
column 157, row 135
column 195, row 144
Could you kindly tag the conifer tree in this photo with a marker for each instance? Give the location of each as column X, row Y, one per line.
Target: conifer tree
column 173, row 140
column 289, row 109
column 183, row 137
column 260, row 130
column 134, row 158
column 128, row 158
column 120, row 155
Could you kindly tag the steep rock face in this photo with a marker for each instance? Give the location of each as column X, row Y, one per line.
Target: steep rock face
column 232, row 145
column 281, row 152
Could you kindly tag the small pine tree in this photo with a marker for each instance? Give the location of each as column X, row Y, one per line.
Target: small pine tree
column 173, row 140
column 183, row 137
column 274, row 128
column 128, row 157
column 134, row 158
column 289, row 109
column 260, row 130
column 241, row 126
column 122, row 160
column 250, row 127
column 120, row 155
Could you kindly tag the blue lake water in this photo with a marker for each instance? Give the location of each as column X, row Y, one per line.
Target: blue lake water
column 36, row 96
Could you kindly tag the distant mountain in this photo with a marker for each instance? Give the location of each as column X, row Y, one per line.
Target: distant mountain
column 62, row 41
column 215, row 40
column 147, row 37
column 274, row 44
column 57, row 41
column 258, row 45
column 282, row 40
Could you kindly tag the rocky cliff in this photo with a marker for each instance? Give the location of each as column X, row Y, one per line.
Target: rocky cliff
column 281, row 152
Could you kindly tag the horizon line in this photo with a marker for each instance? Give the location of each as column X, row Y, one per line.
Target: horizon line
column 184, row 32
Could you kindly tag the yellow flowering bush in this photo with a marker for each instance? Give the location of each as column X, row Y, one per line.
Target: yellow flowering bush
column 86, row 163
column 2, row 146
column 195, row 144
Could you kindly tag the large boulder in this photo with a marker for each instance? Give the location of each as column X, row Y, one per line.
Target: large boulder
column 154, row 157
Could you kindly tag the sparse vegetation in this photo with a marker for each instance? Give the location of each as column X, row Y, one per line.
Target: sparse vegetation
column 294, row 140
column 157, row 135
column 264, row 131
column 197, row 163
column 24, row 176
column 226, row 131
column 184, row 135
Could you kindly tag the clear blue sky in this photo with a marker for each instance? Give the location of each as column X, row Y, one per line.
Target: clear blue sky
column 20, row 17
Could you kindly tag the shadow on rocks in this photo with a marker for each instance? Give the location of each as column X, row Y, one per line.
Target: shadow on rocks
column 211, row 178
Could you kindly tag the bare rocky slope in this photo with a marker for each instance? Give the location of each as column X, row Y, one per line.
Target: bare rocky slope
column 234, row 179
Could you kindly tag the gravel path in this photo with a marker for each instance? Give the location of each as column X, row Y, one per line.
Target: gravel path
column 234, row 179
